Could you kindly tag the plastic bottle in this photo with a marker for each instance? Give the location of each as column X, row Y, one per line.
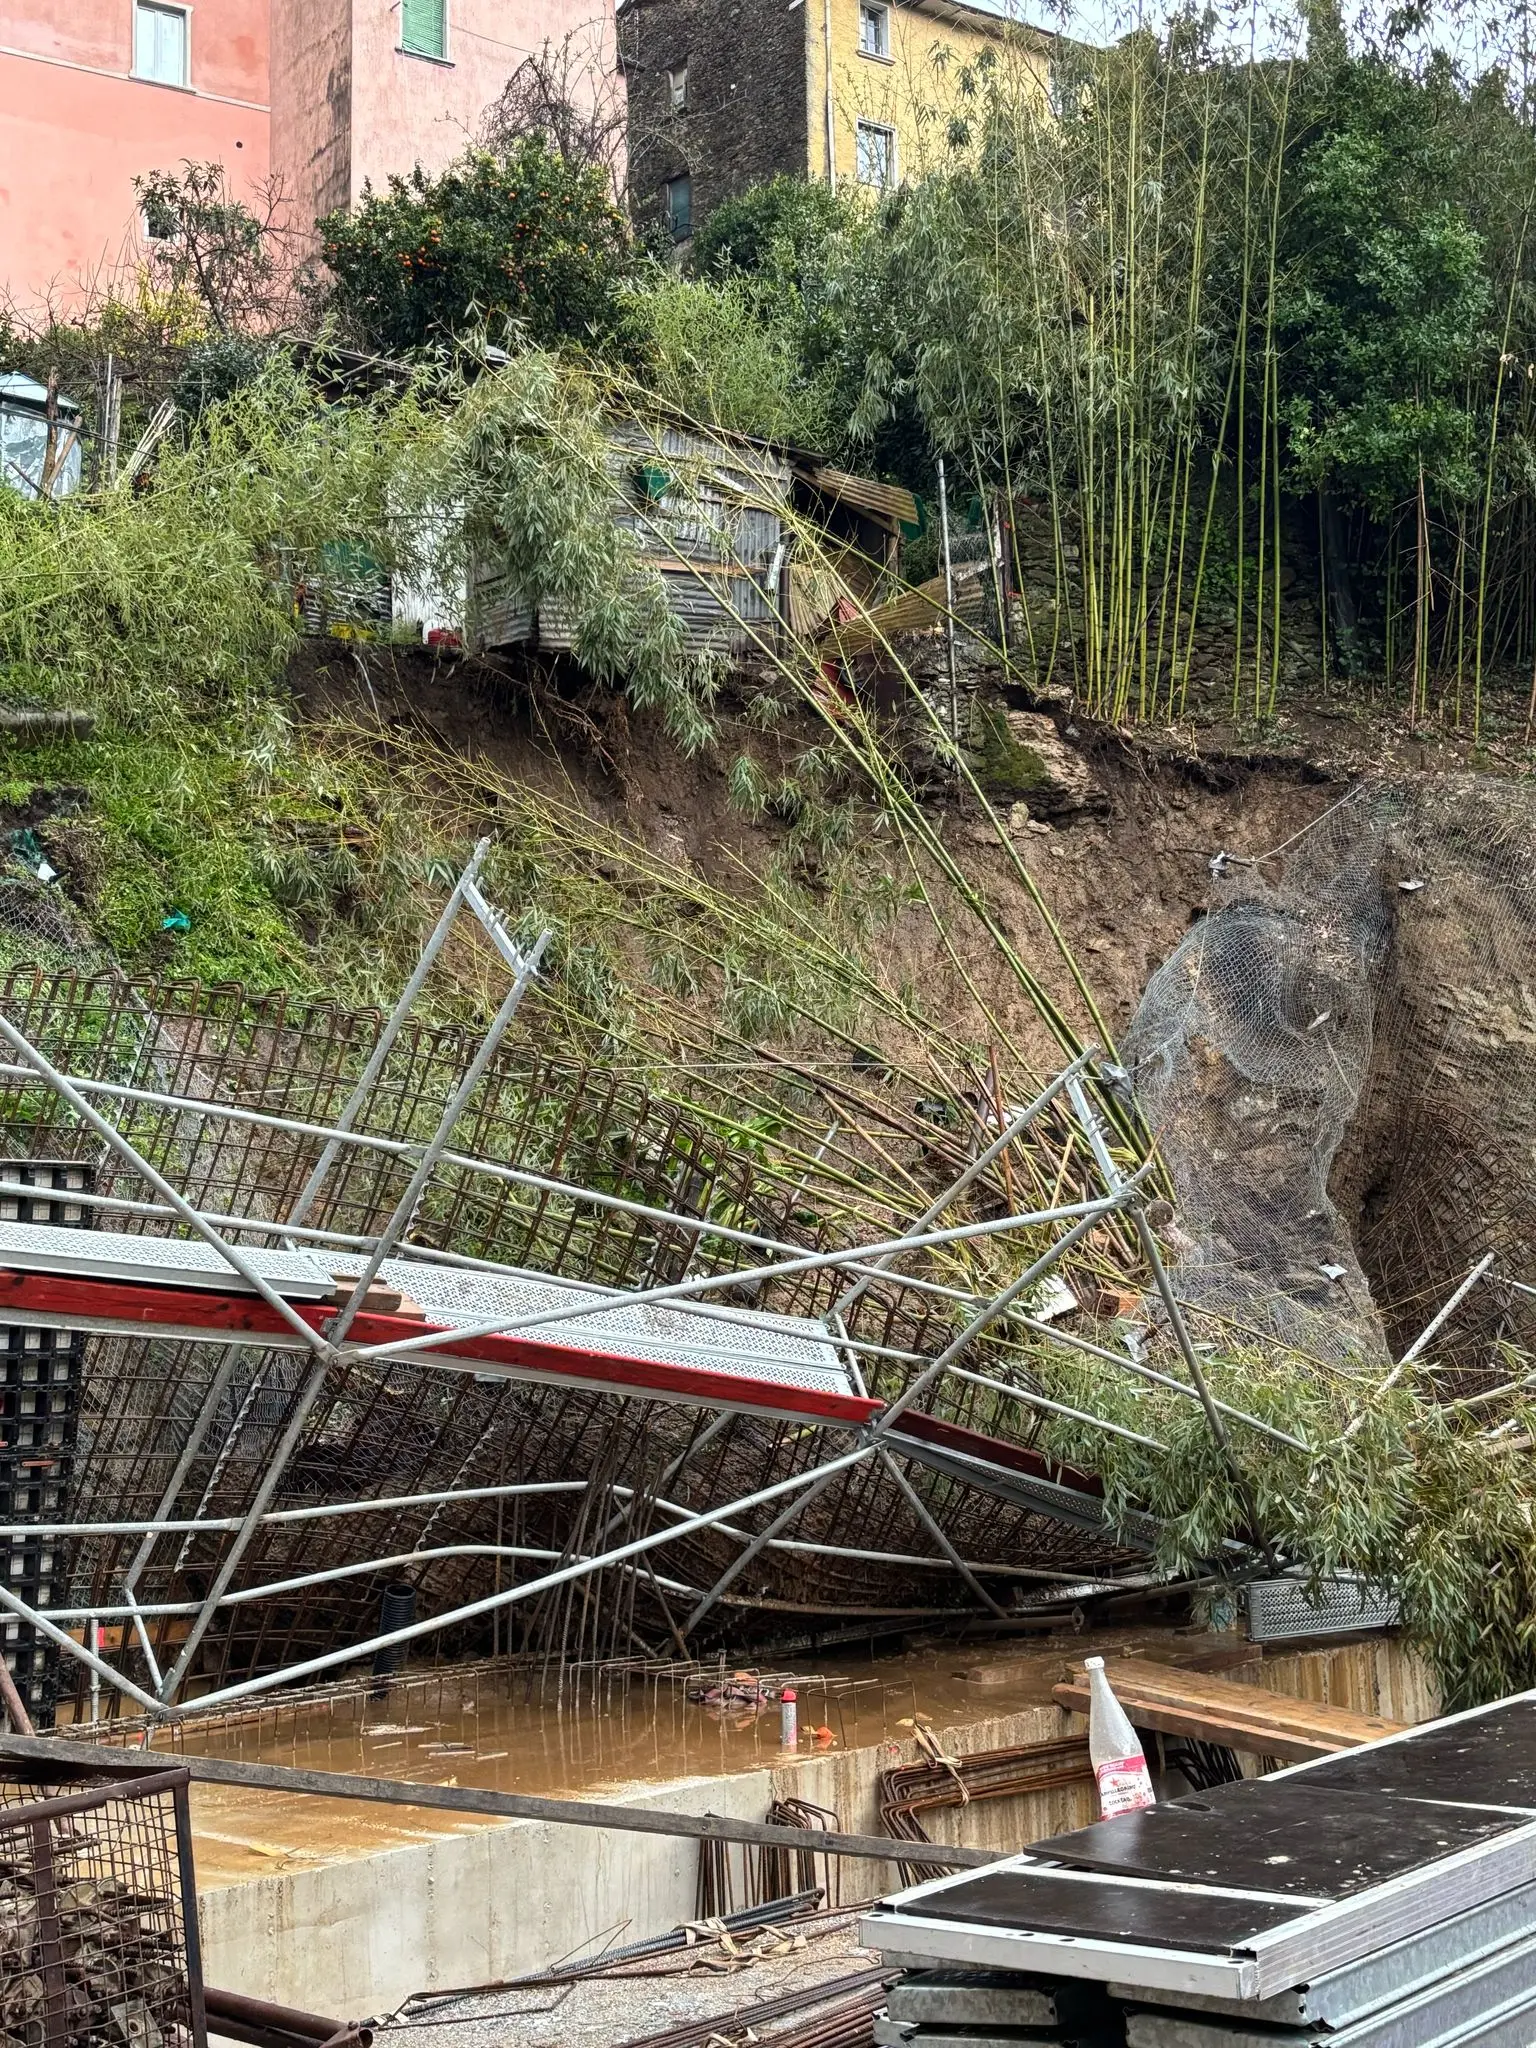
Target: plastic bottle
column 1119, row 1761
column 789, row 1719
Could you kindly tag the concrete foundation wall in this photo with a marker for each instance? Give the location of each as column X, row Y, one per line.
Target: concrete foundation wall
column 475, row 1901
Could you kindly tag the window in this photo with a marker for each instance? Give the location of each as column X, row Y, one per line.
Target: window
column 677, row 198
column 876, row 154
column 160, row 43
column 874, row 30
column 424, row 28
column 677, row 87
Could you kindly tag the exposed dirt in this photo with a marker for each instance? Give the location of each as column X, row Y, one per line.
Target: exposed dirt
column 1123, row 876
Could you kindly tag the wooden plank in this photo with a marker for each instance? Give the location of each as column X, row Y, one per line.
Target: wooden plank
column 1247, row 1717
column 1169, row 1682
column 1329, row 1728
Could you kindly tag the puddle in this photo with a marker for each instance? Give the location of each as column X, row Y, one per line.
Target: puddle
column 484, row 1725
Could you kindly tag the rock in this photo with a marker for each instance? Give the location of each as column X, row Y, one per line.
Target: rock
column 1020, row 756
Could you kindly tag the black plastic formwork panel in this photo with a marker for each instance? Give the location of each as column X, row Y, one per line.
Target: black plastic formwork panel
column 1142, row 1915
column 1486, row 1759
column 1286, row 1835
column 40, row 1387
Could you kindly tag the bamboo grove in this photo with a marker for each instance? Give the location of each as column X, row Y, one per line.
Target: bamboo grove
column 1244, row 321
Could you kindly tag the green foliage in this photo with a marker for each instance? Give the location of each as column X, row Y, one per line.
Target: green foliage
column 211, row 252
column 728, row 355
column 1385, row 305
column 528, row 238
column 217, row 368
column 148, row 604
column 775, row 229
column 525, row 454
column 815, row 269
column 1397, row 1488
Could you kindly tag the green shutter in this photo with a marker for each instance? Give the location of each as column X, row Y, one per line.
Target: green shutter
column 424, row 27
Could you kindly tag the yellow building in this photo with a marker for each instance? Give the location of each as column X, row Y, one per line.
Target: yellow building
column 724, row 94
column 887, row 78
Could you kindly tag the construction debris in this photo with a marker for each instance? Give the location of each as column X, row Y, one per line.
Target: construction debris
column 1244, row 1717
column 1380, row 1896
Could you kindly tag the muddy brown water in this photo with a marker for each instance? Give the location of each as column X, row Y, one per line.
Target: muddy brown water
column 471, row 1726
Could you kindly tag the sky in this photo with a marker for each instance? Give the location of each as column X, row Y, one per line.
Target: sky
column 1475, row 35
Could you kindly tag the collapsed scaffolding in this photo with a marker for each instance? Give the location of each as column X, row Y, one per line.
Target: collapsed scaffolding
column 309, row 1349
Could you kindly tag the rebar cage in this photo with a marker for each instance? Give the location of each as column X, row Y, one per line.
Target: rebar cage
column 98, row 1909
column 221, row 1514
column 111, row 1448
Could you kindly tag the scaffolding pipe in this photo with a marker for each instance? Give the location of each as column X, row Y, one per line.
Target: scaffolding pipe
column 1094, row 1133
column 977, row 1167
column 231, row 1254
column 223, row 1524
column 391, row 1031
column 956, row 1560
column 405, row 1209
column 1055, row 1407
column 402, row 1148
column 471, row 1610
column 809, row 1262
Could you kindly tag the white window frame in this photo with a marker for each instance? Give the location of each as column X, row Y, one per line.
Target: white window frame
column 878, row 12
column 677, row 87
column 143, row 8
column 892, row 173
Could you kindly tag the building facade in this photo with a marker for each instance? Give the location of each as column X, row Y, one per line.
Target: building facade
column 94, row 92
column 319, row 96
column 725, row 93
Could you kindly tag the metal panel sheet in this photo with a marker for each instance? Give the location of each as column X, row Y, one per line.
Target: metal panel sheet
column 1385, row 1978
column 1280, row 1835
column 793, row 1351
column 159, row 1261
column 1158, row 1916
column 1457, row 2001
column 1489, row 1761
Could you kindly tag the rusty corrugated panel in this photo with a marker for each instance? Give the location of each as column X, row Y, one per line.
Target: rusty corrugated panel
column 500, row 614
column 889, row 503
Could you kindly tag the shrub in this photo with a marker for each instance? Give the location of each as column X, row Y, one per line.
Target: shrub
column 527, row 238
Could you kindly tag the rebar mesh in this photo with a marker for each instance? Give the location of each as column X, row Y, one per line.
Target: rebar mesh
column 379, row 1430
column 1339, row 1065
column 98, row 1935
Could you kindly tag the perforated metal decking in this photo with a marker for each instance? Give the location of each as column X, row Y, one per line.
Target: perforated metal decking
column 122, row 1284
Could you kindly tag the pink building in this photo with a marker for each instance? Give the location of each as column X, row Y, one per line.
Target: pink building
column 323, row 95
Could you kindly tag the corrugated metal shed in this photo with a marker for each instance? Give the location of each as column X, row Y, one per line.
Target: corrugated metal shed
column 707, row 514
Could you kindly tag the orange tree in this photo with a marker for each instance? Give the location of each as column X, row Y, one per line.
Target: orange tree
column 526, row 237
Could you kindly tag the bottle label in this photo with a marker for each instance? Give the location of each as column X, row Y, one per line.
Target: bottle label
column 1125, row 1786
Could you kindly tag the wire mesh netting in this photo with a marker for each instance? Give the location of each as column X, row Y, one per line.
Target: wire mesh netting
column 1339, row 1065
column 98, row 1914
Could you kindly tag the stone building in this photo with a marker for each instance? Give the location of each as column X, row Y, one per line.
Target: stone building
column 725, row 93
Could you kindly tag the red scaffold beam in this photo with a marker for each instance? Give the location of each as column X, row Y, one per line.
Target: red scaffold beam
column 78, row 1302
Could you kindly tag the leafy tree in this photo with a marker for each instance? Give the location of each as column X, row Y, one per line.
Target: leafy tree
column 769, row 230
column 1384, row 309
column 233, row 263
column 817, row 268
column 730, row 355
column 529, row 238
